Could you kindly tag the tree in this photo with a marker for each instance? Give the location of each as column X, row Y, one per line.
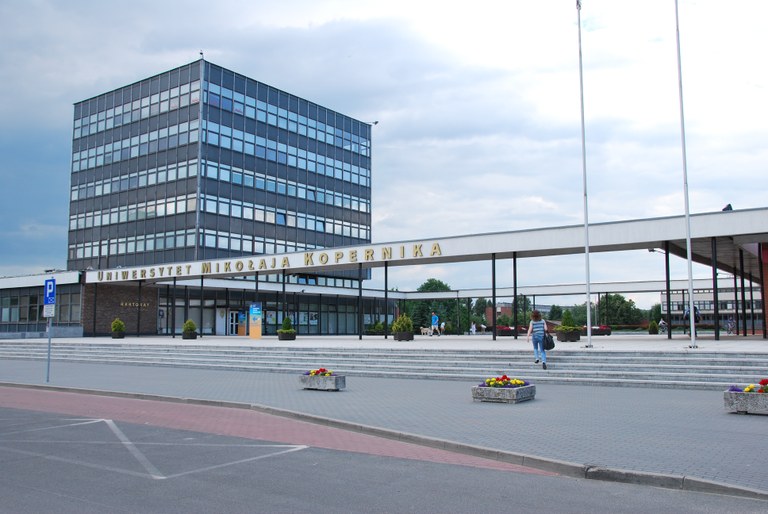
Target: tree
column 613, row 309
column 555, row 312
column 479, row 308
column 523, row 307
column 568, row 319
column 655, row 313
column 420, row 311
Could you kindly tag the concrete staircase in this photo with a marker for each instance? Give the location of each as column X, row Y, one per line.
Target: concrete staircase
column 705, row 370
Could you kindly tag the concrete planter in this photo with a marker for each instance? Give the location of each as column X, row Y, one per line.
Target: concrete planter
column 118, row 335
column 503, row 394
column 569, row 336
column 189, row 335
column 281, row 336
column 323, row 383
column 746, row 403
column 403, row 336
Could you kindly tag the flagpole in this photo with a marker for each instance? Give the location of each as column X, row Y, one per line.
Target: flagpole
column 691, row 307
column 584, row 181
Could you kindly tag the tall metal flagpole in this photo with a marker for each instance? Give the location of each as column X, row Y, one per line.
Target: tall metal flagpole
column 584, row 179
column 691, row 308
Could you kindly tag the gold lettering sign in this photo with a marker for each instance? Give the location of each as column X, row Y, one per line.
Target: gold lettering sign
column 311, row 258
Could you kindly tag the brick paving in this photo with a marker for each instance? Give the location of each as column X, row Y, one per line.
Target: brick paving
column 245, row 423
column 656, row 431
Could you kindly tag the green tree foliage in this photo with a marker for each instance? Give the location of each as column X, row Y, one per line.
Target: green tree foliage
column 555, row 312
column 618, row 310
column 420, row 311
column 614, row 309
column 568, row 319
column 523, row 307
column 479, row 308
column 655, row 313
column 578, row 313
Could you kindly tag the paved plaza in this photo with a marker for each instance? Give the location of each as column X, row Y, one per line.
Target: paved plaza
column 657, row 436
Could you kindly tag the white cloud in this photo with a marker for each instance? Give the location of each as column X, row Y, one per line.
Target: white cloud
column 478, row 107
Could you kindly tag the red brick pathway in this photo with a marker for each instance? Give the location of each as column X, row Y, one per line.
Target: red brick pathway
column 245, row 423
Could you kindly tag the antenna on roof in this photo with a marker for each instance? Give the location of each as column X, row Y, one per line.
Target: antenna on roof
column 201, row 55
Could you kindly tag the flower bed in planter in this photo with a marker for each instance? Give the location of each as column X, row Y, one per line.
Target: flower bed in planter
column 322, row 379
column 753, row 399
column 504, row 390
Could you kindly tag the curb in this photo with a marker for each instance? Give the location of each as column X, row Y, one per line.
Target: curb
column 564, row 468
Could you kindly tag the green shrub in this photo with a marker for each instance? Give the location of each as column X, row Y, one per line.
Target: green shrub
column 189, row 326
column 568, row 324
column 402, row 324
column 287, row 327
column 653, row 328
column 118, row 325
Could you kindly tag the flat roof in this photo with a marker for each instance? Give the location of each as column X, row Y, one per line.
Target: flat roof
column 736, row 235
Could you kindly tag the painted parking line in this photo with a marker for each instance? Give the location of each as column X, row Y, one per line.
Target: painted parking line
column 243, row 423
column 151, row 471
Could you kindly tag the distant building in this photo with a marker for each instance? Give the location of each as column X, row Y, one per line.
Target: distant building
column 744, row 309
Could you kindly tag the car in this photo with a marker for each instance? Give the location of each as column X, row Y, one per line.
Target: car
column 597, row 330
column 505, row 330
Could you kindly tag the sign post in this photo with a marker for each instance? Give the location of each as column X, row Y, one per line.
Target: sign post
column 49, row 311
column 254, row 318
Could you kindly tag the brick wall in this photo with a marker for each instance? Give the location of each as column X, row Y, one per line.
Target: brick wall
column 119, row 301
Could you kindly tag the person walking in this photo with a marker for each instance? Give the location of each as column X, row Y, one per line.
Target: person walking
column 538, row 327
column 435, row 324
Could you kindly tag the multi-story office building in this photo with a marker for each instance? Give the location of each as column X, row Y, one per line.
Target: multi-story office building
column 200, row 162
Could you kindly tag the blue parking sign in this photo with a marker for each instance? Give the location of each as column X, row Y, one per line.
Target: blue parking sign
column 50, row 292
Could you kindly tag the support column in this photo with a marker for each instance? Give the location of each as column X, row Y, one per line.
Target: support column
column 95, row 303
column 743, row 294
column 736, row 303
column 360, row 301
column 493, row 287
column 514, row 292
column 285, row 299
column 138, row 313
column 715, row 296
column 202, row 307
column 669, row 290
column 762, row 251
column 752, row 302
column 386, row 299
column 173, row 310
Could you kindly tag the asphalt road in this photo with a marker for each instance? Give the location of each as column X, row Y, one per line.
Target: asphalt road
column 83, row 453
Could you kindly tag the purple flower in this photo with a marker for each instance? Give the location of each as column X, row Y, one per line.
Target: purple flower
column 735, row 389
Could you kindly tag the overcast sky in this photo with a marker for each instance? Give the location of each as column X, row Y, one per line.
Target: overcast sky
column 478, row 106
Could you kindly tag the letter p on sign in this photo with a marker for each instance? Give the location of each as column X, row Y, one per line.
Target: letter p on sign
column 50, row 292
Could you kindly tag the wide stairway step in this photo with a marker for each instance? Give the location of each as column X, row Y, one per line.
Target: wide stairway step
column 702, row 370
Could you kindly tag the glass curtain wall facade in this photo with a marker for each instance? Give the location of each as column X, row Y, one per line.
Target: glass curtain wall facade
column 202, row 163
